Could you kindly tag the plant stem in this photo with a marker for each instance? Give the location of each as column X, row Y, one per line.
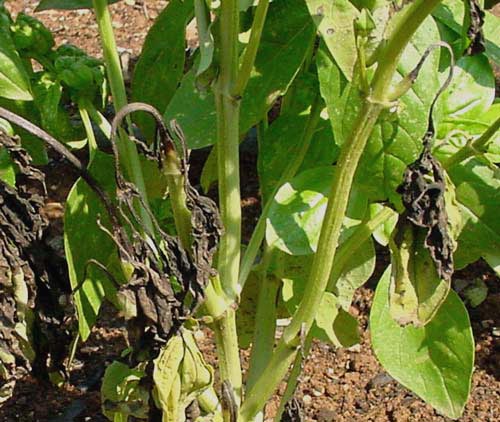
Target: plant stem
column 177, row 194
column 473, row 148
column 265, row 323
column 228, row 113
column 346, row 167
column 251, row 49
column 293, row 377
column 127, row 149
column 87, row 124
column 226, row 340
column 228, row 109
column 298, row 157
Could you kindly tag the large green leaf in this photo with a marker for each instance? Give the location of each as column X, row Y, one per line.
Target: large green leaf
column 478, row 194
column 464, row 105
column 396, row 139
column 286, row 38
column 32, row 144
column 67, row 4
column 283, row 139
column 335, row 22
column 451, row 14
column 14, row 80
column 161, row 63
column 195, row 113
column 435, row 361
column 297, row 211
column 84, row 240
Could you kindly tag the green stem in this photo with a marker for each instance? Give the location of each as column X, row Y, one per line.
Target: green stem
column 265, row 324
column 293, row 378
column 343, row 177
column 473, row 148
column 127, row 149
column 298, row 157
column 87, row 124
column 226, row 340
column 177, row 195
column 251, row 49
column 228, row 113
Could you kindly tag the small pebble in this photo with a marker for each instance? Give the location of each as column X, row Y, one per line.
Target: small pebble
column 307, row 399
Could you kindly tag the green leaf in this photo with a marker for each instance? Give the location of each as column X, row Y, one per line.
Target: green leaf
column 83, row 209
column 463, row 105
column 34, row 146
column 195, row 112
column 396, row 139
column 283, row 139
column 286, row 38
column 334, row 325
column 67, row 4
column 382, row 234
column 47, row 92
column 122, row 394
column 297, row 211
column 14, row 80
column 335, row 22
column 451, row 14
column 161, row 63
column 478, row 195
column 7, row 172
column 435, row 361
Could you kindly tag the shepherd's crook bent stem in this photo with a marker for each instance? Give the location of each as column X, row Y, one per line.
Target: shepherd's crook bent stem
column 405, row 27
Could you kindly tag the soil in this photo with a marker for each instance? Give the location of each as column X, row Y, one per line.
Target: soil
column 337, row 385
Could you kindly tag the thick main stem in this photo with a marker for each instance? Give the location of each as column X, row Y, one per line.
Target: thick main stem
column 228, row 110
column 346, row 167
column 127, row 149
